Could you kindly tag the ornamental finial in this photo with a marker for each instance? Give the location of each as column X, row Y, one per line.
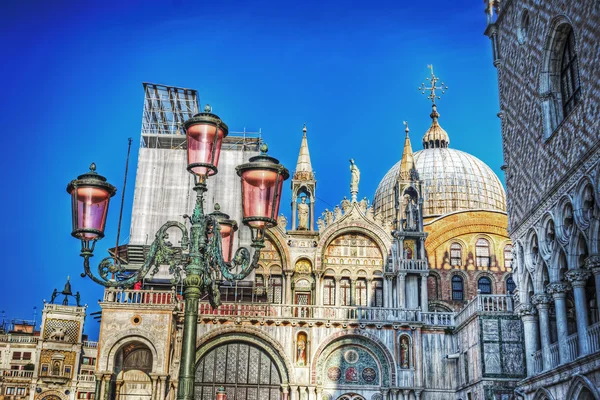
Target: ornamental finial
column 264, row 148
column 304, row 128
column 217, row 207
column 406, row 127
column 93, row 167
column 207, row 108
column 432, row 89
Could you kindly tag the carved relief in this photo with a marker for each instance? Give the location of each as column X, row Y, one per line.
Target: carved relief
column 61, row 330
column 355, row 250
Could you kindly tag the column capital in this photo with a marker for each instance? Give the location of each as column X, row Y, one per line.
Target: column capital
column 558, row 289
column 577, row 277
column 288, row 273
column 541, row 300
column 424, row 274
column 402, row 275
column 526, row 310
column 592, row 263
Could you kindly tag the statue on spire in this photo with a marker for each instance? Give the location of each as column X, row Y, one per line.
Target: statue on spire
column 354, row 180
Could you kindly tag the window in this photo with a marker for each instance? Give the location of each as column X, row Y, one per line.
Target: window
column 482, row 253
column 361, row 293
column 378, row 298
column 16, row 355
column 82, row 395
column 570, row 88
column 274, row 290
column 85, row 361
column 510, row 285
column 67, row 369
column 329, row 292
column 21, row 391
column 10, row 390
column 345, row 292
column 27, row 355
column 457, row 288
column 508, row 257
column 484, row 285
column 259, row 284
column 455, row 255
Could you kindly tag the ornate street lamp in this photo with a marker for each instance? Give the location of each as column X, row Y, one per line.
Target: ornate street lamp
column 206, row 253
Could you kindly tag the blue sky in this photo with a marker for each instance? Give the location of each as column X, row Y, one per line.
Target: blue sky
column 72, row 94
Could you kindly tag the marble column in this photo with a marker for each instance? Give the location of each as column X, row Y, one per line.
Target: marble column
column 530, row 327
column 592, row 264
column 406, row 394
column 319, row 392
column 401, row 290
column 558, row 290
column 285, row 392
column 311, row 393
column 288, row 287
column 542, row 302
column 119, row 385
column 161, row 387
column 294, row 392
column 369, row 291
column 578, row 278
column 424, row 295
column 418, row 394
column 154, row 381
column 353, row 292
column 318, row 289
column 385, row 393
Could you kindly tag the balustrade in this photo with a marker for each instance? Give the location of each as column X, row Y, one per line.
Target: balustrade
column 147, row 297
column 485, row 303
column 573, row 346
column 16, row 373
column 537, row 362
column 86, row 378
column 593, row 336
column 90, row 344
column 344, row 313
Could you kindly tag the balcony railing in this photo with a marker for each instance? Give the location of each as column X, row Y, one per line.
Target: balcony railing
column 485, row 303
column 537, row 362
column 573, row 346
column 554, row 355
column 90, row 344
column 86, row 378
column 412, row 265
column 19, row 338
column 327, row 313
column 15, row 373
column 593, row 335
column 140, row 297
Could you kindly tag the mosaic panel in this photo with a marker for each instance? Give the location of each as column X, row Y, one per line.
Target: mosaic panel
column 353, row 250
column 351, row 366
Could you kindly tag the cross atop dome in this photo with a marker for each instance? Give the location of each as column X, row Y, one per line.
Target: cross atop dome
column 432, row 89
column 435, row 136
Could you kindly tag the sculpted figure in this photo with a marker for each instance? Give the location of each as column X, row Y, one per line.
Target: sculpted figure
column 282, row 221
column 354, row 179
column 346, row 205
column 337, row 211
column 328, row 217
column 320, row 224
column 363, row 204
column 303, row 215
column 371, row 213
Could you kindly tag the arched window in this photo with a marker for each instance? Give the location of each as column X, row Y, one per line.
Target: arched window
column 274, row 290
column 378, row 295
column 457, row 288
column 560, row 87
column 455, row 255
column 482, row 253
column 570, row 88
column 484, row 285
column 329, row 292
column 510, row 285
column 345, row 292
column 361, row 293
column 508, row 257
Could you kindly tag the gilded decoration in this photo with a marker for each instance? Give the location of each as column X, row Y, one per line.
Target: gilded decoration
column 269, row 255
column 64, row 330
column 352, row 365
column 303, row 266
column 355, row 251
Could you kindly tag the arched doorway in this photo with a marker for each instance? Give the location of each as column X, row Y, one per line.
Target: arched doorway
column 133, row 364
column 246, row 371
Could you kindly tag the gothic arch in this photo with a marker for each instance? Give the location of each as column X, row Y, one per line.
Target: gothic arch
column 250, row 335
column 116, row 342
column 357, row 338
column 543, row 394
column 578, row 385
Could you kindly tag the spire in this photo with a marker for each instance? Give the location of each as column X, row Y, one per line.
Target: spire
column 408, row 161
column 435, row 136
column 304, row 169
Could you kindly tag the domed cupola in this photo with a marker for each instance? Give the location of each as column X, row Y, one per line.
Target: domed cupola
column 436, row 136
column 452, row 179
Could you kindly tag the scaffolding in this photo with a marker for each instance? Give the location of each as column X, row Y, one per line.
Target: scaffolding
column 165, row 110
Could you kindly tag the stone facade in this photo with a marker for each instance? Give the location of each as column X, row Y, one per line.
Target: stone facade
column 546, row 55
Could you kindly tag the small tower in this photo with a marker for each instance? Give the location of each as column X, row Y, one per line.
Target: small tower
column 60, row 345
column 303, row 190
column 410, row 260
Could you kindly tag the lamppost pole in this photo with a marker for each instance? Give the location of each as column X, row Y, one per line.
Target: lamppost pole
column 206, row 250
